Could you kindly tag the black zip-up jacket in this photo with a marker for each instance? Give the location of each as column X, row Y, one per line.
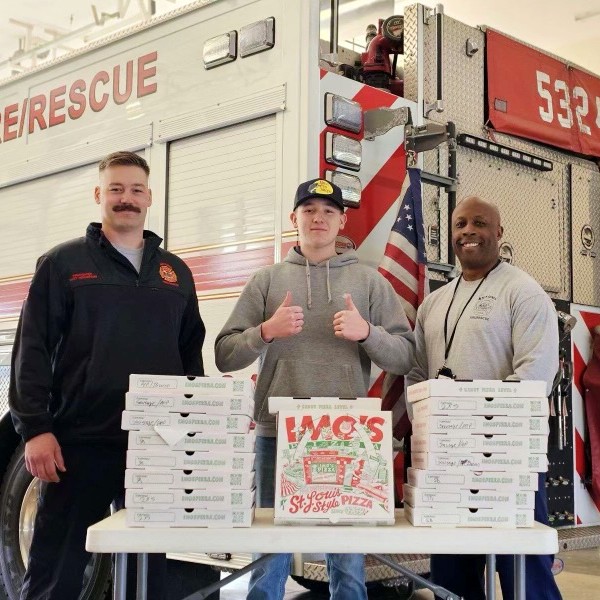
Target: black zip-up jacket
column 90, row 321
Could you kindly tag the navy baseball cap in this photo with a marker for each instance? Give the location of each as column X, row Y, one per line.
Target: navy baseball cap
column 319, row 188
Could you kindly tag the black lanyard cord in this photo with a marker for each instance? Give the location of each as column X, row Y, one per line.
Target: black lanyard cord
column 448, row 344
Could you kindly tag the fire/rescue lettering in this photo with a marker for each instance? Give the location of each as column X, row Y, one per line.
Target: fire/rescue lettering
column 69, row 101
column 343, row 427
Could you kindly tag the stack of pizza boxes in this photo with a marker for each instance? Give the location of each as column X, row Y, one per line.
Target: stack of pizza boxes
column 477, row 448
column 190, row 457
column 334, row 461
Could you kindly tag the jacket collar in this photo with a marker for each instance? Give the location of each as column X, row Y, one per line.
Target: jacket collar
column 94, row 233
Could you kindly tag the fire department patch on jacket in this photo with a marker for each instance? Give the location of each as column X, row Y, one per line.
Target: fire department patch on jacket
column 167, row 273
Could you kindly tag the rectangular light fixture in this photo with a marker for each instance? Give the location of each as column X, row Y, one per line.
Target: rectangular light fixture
column 220, row 50
column 343, row 151
column 257, row 37
column 343, row 113
column 349, row 184
column 495, row 149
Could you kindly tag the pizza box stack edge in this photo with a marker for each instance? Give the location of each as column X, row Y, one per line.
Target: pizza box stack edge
column 477, row 448
column 334, row 462
column 190, row 456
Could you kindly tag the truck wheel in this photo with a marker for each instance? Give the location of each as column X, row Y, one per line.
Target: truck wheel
column 18, row 507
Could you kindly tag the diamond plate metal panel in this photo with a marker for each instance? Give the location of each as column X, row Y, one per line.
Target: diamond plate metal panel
column 585, row 240
column 531, row 209
column 410, row 52
column 463, row 76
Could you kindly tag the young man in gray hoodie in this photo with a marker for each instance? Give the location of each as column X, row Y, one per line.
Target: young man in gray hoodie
column 315, row 322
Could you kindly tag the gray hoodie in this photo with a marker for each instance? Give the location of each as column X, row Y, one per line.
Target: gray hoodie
column 315, row 362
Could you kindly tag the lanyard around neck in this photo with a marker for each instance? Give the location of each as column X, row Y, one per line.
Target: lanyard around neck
column 448, row 344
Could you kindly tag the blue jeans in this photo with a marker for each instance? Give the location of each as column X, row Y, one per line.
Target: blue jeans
column 346, row 571
column 463, row 574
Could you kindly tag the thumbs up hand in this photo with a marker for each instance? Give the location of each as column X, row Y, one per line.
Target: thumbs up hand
column 348, row 324
column 286, row 321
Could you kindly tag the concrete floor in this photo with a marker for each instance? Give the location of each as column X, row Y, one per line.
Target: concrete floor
column 579, row 580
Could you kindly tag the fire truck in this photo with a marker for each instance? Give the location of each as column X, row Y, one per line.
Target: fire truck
column 233, row 103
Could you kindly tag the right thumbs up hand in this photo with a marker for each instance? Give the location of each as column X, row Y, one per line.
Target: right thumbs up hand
column 286, row 321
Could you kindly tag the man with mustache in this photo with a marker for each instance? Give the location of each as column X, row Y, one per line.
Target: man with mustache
column 492, row 322
column 99, row 308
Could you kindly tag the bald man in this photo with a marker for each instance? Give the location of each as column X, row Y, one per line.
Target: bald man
column 492, row 322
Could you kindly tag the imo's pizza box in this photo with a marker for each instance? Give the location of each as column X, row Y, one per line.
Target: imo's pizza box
column 484, row 406
column 479, row 388
column 182, row 517
column 180, row 479
column 189, row 403
column 277, row 403
column 440, row 442
column 472, row 480
column 334, row 467
column 157, row 457
column 466, row 425
column 225, row 386
column 469, row 517
column 153, row 497
column 180, row 439
column 200, row 422
column 512, row 499
column 480, row 461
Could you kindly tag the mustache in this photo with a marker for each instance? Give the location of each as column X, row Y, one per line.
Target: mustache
column 129, row 207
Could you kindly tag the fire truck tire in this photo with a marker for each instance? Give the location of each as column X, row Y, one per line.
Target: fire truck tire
column 18, row 502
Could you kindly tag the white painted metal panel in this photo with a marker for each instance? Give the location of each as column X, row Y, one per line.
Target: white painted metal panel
column 222, row 186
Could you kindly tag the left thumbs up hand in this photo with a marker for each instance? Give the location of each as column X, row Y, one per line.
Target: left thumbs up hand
column 348, row 324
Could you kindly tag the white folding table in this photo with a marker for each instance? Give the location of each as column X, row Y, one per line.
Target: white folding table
column 114, row 536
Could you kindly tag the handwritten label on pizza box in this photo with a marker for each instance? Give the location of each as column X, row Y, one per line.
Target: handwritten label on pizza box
column 334, row 467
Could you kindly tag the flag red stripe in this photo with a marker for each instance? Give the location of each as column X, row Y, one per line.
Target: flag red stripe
column 406, row 262
column 401, row 288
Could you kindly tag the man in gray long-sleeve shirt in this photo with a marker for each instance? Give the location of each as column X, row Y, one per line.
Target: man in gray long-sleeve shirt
column 492, row 322
column 315, row 322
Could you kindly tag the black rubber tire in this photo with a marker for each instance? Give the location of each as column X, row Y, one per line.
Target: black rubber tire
column 316, row 587
column 16, row 481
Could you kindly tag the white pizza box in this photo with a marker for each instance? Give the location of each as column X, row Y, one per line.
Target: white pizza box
column 491, row 425
column 152, row 497
column 472, row 480
column 278, row 403
column 478, row 387
column 200, row 422
column 180, row 439
column 440, row 442
column 334, row 467
column 469, row 517
column 163, row 457
column 225, row 386
column 182, row 517
column 466, row 406
column 520, row 461
column 418, row 497
column 189, row 403
column 179, row 479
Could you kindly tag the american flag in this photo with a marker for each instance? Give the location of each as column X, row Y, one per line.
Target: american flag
column 404, row 265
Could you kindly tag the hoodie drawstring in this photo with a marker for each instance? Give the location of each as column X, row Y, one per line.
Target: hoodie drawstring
column 308, row 291
column 328, row 286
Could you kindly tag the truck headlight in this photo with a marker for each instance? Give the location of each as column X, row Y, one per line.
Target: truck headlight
column 343, row 151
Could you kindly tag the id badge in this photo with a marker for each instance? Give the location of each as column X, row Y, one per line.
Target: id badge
column 445, row 373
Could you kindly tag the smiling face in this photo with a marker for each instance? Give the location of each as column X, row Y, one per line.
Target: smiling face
column 318, row 222
column 124, row 198
column 476, row 231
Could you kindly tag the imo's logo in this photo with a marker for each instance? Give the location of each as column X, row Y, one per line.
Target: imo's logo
column 587, row 237
column 507, row 254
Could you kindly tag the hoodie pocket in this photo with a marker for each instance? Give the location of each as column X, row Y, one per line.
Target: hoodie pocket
column 305, row 378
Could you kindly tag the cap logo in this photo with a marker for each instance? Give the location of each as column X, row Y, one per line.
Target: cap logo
column 320, row 186
column 167, row 273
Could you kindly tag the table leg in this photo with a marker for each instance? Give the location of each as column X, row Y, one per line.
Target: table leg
column 490, row 576
column 519, row 577
column 120, row 579
column 142, row 577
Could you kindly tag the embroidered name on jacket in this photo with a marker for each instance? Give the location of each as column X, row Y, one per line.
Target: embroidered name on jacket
column 80, row 276
column 167, row 274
